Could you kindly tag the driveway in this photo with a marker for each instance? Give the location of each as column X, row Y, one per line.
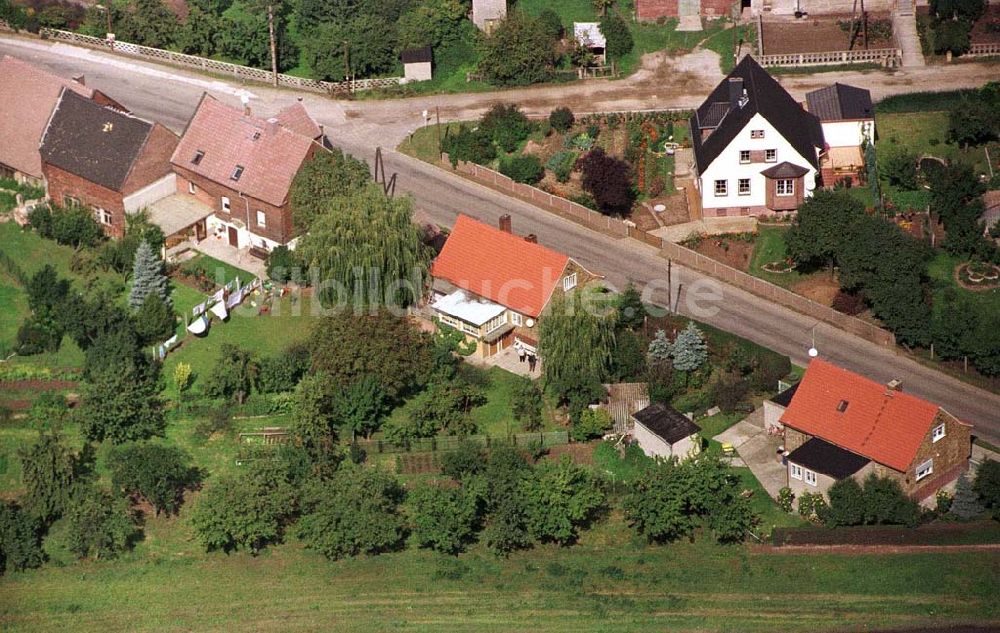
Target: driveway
column 757, row 450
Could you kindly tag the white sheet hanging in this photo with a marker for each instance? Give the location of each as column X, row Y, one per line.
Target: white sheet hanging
column 219, row 310
column 199, row 325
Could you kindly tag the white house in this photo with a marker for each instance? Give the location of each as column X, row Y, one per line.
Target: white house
column 847, row 116
column 662, row 431
column 757, row 151
column 486, row 14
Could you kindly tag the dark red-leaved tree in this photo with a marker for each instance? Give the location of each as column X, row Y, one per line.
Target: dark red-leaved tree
column 607, row 179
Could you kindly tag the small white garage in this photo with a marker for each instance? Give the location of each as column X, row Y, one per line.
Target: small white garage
column 662, row 431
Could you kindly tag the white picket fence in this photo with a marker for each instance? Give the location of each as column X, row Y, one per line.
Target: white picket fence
column 224, row 68
column 983, row 50
column 872, row 56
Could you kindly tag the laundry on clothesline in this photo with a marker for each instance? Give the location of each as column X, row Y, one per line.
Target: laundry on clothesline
column 199, row 325
column 161, row 352
column 170, row 342
column 219, row 310
column 219, row 295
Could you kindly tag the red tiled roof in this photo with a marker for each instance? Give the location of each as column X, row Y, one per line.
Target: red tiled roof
column 269, row 154
column 500, row 266
column 296, row 119
column 27, row 96
column 884, row 425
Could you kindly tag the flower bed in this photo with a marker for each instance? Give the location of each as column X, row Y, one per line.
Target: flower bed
column 779, row 267
column 979, row 275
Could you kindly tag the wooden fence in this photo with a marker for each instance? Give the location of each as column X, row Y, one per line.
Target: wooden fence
column 224, row 68
column 680, row 254
column 448, row 443
column 884, row 56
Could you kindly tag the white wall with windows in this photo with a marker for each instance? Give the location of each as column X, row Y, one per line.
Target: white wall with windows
column 847, row 133
column 731, row 181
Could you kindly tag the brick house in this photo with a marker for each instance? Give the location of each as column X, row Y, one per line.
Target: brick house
column 96, row 156
column 847, row 116
column 839, row 424
column 651, row 10
column 493, row 286
column 759, row 152
column 242, row 167
column 28, row 95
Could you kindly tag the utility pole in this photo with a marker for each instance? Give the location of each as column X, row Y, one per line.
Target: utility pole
column 347, row 61
column 437, row 113
column 670, row 282
column 274, row 46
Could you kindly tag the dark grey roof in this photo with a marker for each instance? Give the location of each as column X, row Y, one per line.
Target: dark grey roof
column 416, row 55
column 765, row 96
column 841, row 103
column 785, row 397
column 92, row 141
column 784, row 169
column 666, row 422
column 823, row 457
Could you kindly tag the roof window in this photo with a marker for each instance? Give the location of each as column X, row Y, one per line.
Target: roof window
column 256, row 135
column 842, row 406
column 196, row 159
column 237, row 172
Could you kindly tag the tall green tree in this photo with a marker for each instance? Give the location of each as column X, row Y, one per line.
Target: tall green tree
column 98, row 524
column 387, row 348
column 48, row 470
column 576, row 346
column 617, row 34
column 157, row 473
column 818, row 231
column 434, row 23
column 20, row 539
column 660, row 348
column 631, row 311
column 987, row 486
column 561, row 499
column 313, row 424
column 148, row 277
column 367, row 252
column 690, row 349
column 148, row 23
column 520, row 51
column 234, row 374
column 328, row 175
column 363, row 45
column 444, row 518
column 357, row 512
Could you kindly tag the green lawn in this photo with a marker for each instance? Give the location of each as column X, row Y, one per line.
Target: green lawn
column 923, row 133
column 725, row 41
column 770, row 247
column 610, row 581
column 941, row 271
column 423, row 143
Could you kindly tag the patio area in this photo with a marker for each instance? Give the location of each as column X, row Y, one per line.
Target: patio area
column 222, row 251
column 508, row 359
column 757, row 450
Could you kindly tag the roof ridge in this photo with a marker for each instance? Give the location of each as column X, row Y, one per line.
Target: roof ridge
column 878, row 416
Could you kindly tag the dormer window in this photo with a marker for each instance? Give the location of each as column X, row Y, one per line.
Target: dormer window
column 842, row 406
column 256, row 135
column 196, row 159
column 237, row 172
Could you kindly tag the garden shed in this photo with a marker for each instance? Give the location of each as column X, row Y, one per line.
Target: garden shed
column 589, row 36
column 662, row 431
column 417, row 64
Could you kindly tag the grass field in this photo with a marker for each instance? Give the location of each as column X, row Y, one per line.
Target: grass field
column 923, row 133
column 770, row 247
column 941, row 270
column 611, row 581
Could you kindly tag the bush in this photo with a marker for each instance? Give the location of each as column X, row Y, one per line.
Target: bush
column 953, row 36
column 591, row 423
column 283, row 265
column 524, row 169
column 618, row 36
column 444, row 519
column 72, row 226
column 98, row 524
column 607, row 179
column 987, row 486
column 812, row 506
column 729, row 392
column 468, row 458
column 38, row 335
column 155, row 472
column 283, row 372
column 20, row 539
column 551, row 24
column 852, row 303
column 561, row 119
column 785, row 499
column 505, row 125
column 561, row 165
column 526, row 404
column 467, row 145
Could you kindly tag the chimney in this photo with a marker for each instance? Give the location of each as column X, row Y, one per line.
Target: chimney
column 82, row 80
column 505, row 223
column 531, row 237
column 894, row 385
column 735, row 91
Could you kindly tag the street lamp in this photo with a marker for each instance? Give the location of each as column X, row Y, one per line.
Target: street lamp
column 813, row 352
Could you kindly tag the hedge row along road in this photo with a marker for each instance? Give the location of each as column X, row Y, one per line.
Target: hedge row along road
column 170, row 96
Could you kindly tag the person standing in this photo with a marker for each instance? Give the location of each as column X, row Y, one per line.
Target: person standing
column 531, row 362
column 521, row 352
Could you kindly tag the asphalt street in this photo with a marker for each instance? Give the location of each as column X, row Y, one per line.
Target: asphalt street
column 170, row 96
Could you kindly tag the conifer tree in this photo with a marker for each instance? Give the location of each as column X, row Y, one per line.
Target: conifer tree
column 660, row 348
column 147, row 277
column 965, row 504
column 690, row 349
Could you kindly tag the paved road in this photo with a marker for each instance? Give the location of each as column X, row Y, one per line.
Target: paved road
column 171, row 97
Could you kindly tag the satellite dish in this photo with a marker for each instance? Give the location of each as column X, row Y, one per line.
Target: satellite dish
column 813, row 352
column 530, row 323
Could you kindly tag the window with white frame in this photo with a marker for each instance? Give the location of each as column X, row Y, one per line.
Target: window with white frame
column 744, row 156
column 495, row 323
column 569, row 282
column 722, row 187
column 756, row 133
column 925, row 469
column 468, row 328
column 192, row 188
column 516, row 318
column 225, row 204
column 744, row 186
column 102, row 216
column 785, row 187
column 795, row 471
column 71, row 201
column 809, row 477
column 261, row 219
column 937, row 433
column 770, row 155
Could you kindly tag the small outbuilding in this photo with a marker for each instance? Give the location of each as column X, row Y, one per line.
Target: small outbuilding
column 589, row 36
column 662, row 431
column 486, row 14
column 417, row 64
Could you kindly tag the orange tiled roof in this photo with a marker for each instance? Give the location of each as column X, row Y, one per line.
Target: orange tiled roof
column 269, row 153
column 27, row 96
column 500, row 266
column 884, row 425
